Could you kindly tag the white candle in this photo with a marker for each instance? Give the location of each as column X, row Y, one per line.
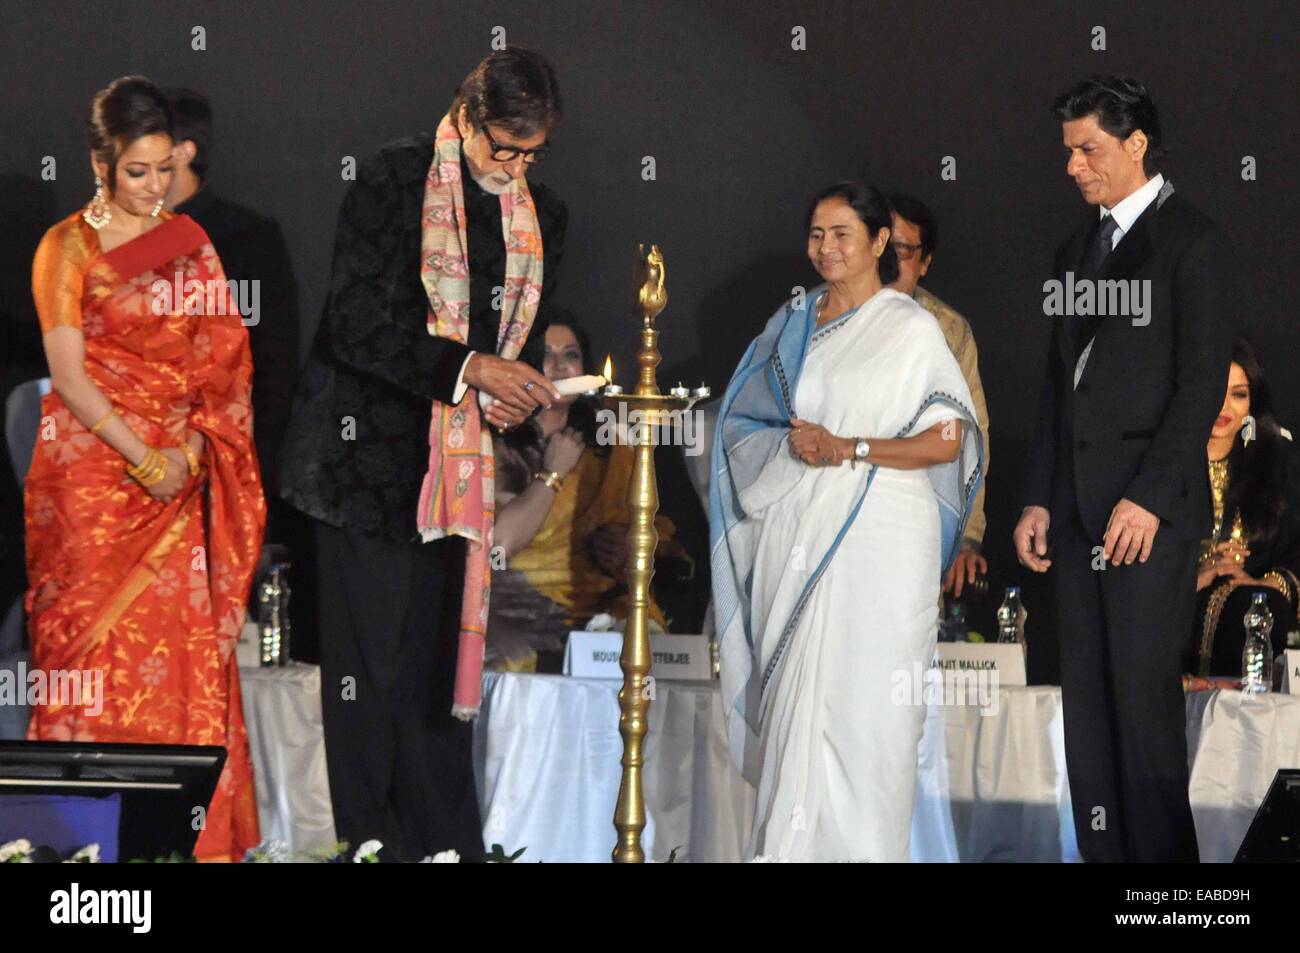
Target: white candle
column 578, row 385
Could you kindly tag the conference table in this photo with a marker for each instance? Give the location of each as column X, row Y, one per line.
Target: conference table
column 991, row 786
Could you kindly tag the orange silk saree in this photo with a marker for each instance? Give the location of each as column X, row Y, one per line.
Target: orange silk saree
column 151, row 594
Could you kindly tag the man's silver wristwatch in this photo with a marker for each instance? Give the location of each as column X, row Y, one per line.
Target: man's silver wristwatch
column 860, row 450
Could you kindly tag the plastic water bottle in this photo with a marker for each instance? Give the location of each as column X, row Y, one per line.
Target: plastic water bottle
column 1257, row 653
column 273, row 614
column 1009, row 616
column 953, row 628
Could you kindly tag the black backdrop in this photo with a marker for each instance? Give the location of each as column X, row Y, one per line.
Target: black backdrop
column 743, row 129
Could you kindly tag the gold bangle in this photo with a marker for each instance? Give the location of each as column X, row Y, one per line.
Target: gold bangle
column 553, row 480
column 160, row 470
column 1281, row 586
column 191, row 457
column 146, row 472
column 112, row 412
column 151, row 470
column 136, row 470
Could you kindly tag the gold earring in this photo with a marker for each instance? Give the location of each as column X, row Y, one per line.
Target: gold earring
column 157, row 208
column 97, row 213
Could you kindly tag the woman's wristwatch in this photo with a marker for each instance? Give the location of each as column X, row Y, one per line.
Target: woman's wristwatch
column 553, row 480
column 860, row 450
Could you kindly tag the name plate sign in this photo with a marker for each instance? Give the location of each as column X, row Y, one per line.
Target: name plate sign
column 1005, row 658
column 1291, row 671
column 596, row 655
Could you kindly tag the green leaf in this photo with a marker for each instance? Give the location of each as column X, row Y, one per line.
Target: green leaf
column 498, row 855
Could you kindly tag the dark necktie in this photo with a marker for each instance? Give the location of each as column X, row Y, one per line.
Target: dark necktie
column 1101, row 247
column 1083, row 328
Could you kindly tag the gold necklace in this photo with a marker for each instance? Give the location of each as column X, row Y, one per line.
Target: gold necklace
column 1218, row 494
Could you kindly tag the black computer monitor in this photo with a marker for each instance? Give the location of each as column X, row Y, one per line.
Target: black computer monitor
column 1274, row 834
column 161, row 786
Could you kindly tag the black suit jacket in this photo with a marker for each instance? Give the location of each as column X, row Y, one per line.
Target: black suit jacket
column 251, row 247
column 357, row 447
column 1137, row 425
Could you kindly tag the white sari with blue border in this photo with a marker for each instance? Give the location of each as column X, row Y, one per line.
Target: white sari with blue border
column 826, row 579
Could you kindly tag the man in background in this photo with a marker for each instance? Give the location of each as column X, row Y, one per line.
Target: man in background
column 252, row 248
column 915, row 236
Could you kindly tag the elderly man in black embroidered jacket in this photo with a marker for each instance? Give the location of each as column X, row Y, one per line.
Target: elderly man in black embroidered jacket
column 358, row 449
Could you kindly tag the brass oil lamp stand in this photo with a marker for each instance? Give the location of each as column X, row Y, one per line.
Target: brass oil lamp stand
column 647, row 410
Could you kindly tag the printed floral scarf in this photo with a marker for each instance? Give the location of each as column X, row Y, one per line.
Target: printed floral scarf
column 456, row 497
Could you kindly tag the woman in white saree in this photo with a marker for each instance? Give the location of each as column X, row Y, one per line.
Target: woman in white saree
column 846, row 460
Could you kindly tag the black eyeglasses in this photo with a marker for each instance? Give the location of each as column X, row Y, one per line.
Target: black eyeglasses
column 905, row 250
column 502, row 153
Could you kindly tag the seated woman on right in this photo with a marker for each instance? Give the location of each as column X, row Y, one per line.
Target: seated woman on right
column 1255, row 545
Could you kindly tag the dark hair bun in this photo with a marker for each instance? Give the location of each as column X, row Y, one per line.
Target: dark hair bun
column 127, row 109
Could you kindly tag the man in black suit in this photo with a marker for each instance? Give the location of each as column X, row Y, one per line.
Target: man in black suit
column 357, row 451
column 251, row 247
column 1117, row 469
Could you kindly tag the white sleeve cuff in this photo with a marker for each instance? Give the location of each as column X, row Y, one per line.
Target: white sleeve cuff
column 461, row 386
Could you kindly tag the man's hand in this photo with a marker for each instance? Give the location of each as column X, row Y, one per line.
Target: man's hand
column 1030, row 537
column 1129, row 533
column 963, row 570
column 517, row 389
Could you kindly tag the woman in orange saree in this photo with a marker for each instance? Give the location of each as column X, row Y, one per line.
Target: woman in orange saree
column 145, row 586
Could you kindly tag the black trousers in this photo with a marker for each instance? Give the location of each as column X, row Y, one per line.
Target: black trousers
column 400, row 766
column 1122, row 633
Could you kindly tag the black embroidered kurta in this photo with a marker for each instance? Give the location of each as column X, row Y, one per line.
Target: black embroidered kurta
column 357, row 445
column 1278, row 553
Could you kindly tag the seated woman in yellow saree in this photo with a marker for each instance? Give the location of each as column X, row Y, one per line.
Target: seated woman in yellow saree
column 144, row 506
column 561, row 523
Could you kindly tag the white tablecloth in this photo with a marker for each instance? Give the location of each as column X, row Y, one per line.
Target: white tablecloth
column 287, row 743
column 547, row 748
column 547, row 752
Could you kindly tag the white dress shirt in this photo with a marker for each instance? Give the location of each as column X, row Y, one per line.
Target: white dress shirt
column 1125, row 213
column 1127, row 210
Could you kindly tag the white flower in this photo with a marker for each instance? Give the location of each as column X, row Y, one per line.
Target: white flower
column 87, row 855
column 600, row 622
column 443, row 857
column 763, row 859
column 366, row 853
column 16, row 848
